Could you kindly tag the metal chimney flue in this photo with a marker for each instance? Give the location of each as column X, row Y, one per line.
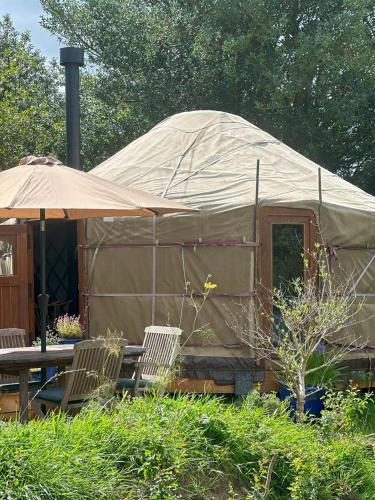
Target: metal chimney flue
column 72, row 58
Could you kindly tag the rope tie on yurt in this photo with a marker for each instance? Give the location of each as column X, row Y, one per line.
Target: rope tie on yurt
column 96, row 251
column 362, row 274
column 216, row 160
column 184, row 244
column 174, row 173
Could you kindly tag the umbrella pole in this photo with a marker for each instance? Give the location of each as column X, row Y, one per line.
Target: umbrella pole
column 43, row 297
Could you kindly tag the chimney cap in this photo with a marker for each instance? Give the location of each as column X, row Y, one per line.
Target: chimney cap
column 39, row 160
column 71, row 55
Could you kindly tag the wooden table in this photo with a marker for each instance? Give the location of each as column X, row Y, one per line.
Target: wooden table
column 21, row 359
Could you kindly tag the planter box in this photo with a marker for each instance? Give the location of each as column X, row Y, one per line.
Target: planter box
column 313, row 404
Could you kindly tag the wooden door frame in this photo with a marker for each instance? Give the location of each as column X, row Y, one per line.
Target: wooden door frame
column 31, row 282
column 267, row 217
column 24, row 277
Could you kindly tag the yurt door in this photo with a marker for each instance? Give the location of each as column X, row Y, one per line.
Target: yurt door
column 16, row 277
column 287, row 237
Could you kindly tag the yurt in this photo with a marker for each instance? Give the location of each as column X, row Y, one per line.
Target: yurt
column 258, row 204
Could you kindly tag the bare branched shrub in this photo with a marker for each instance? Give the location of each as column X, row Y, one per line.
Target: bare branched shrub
column 310, row 316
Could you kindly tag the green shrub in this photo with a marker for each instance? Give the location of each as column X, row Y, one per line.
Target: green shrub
column 346, row 411
column 324, row 375
column 183, row 447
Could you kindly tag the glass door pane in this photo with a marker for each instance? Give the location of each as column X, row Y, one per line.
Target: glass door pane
column 287, row 254
column 287, row 260
column 8, row 245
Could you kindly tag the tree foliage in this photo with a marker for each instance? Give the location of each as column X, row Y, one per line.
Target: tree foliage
column 32, row 107
column 31, row 103
column 303, row 70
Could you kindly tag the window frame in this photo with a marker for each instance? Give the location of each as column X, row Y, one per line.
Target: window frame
column 268, row 216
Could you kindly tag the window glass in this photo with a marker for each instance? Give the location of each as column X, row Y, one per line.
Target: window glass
column 287, row 261
column 287, row 254
column 7, row 255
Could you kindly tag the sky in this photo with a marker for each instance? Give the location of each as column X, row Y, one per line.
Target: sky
column 25, row 15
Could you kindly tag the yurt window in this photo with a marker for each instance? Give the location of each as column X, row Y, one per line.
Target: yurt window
column 286, row 238
column 287, row 254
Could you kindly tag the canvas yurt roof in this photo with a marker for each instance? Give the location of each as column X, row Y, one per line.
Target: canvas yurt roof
column 207, row 159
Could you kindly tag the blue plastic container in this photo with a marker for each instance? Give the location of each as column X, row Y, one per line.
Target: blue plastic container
column 313, row 403
column 51, row 372
column 69, row 341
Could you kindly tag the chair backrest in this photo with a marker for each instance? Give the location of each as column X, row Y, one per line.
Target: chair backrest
column 162, row 344
column 11, row 337
column 96, row 364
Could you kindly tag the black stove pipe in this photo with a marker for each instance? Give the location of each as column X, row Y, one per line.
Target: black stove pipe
column 72, row 58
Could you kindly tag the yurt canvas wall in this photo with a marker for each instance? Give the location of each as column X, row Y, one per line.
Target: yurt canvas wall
column 138, row 269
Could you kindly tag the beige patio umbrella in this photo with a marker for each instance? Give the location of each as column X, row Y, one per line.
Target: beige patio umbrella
column 66, row 193
column 42, row 188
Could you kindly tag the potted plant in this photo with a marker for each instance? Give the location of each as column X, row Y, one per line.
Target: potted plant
column 312, row 326
column 69, row 329
column 321, row 376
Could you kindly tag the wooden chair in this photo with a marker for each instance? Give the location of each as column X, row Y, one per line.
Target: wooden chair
column 96, row 366
column 162, row 344
column 10, row 337
column 9, row 384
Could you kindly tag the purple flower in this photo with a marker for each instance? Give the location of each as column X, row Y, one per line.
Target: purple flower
column 321, row 348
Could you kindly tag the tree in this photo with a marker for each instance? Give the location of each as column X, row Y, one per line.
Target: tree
column 302, row 70
column 31, row 102
column 106, row 127
column 32, row 107
column 306, row 332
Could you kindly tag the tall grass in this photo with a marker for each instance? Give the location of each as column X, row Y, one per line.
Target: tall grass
column 367, row 424
column 183, row 447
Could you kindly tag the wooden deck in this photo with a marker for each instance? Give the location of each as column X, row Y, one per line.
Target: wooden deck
column 9, row 403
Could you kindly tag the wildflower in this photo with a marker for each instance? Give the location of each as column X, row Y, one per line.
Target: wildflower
column 321, row 348
column 210, row 286
column 69, row 326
